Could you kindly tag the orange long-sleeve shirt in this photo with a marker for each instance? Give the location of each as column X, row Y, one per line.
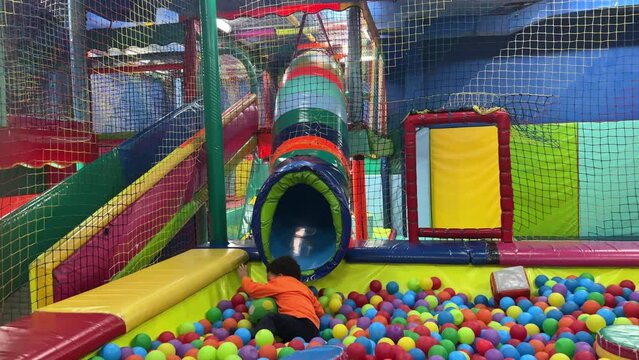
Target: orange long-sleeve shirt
column 291, row 295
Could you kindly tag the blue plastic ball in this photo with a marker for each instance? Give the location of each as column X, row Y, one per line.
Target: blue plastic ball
column 140, row 351
column 445, row 317
column 580, row 297
column 417, row 354
column 244, row 334
column 366, row 342
column 569, row 307
column 527, row 357
column 506, row 302
column 456, row 355
column 540, row 280
column 608, row 315
column 504, row 335
column 525, row 304
column 111, row 351
column 509, row 351
column 376, row 331
column 466, row 347
column 199, row 328
column 524, row 318
column 228, row 313
column 370, row 313
column 481, row 299
column 155, row 344
column 392, row 287
column 584, row 336
column 525, row 348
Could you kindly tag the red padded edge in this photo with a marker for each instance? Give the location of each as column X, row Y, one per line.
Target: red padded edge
column 313, row 70
column 569, row 253
column 498, row 118
column 614, row 348
column 52, row 336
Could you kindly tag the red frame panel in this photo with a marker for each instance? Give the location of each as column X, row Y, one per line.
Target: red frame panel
column 499, row 118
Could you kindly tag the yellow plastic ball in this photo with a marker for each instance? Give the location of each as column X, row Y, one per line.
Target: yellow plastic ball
column 349, row 340
column 406, row 343
column 559, row 356
column 556, row 299
column 532, row 329
column 547, row 310
column 514, row 311
column 386, row 340
column 366, row 307
column 167, row 348
column 340, row 331
column 354, row 329
column 497, row 311
column 595, row 322
column 432, row 326
column 494, row 325
column 375, row 299
column 244, row 323
column 425, row 316
column 457, row 316
column 426, row 283
column 334, row 305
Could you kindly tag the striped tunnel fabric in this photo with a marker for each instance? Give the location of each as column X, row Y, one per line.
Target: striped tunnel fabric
column 302, row 209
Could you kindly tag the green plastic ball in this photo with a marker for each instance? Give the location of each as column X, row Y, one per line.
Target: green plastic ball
column 264, row 337
column 598, row 297
column 285, row 352
column 587, row 276
column 550, row 326
column 185, row 328
column 207, row 352
column 214, row 314
column 97, row 358
column 260, row 308
column 565, row 346
column 155, row 355
column 413, row 284
column 233, row 357
column 142, row 340
column 451, row 335
column 438, row 350
column 226, row 349
column 466, row 335
column 197, row 343
column 448, row 345
column 326, row 334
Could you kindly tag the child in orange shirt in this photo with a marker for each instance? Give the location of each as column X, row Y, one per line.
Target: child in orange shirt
column 299, row 310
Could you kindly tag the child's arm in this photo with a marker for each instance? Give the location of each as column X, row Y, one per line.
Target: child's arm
column 257, row 290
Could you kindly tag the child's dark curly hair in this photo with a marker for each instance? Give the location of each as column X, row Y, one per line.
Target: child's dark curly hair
column 285, row 265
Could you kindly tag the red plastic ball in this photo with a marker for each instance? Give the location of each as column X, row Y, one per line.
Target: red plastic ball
column 166, row 336
column 241, row 308
column 631, row 309
column 190, row 337
column 192, row 353
column 628, row 284
column 235, row 340
column 383, row 351
column 422, row 330
column 375, row 286
column 237, row 299
column 609, row 300
column 424, row 343
column 296, row 344
column 477, row 357
column 450, row 291
column 206, row 325
column 361, row 300
column 437, row 283
column 518, row 332
column 578, row 326
column 356, row 351
column 483, row 345
column 615, row 290
column 268, row 351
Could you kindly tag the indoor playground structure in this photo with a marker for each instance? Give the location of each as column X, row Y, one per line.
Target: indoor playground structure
column 458, row 180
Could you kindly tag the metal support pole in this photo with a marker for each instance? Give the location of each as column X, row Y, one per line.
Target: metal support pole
column 79, row 69
column 354, row 67
column 213, row 123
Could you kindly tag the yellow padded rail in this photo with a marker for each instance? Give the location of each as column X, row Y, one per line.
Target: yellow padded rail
column 148, row 292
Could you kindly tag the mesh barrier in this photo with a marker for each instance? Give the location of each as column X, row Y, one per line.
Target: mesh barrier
column 79, row 80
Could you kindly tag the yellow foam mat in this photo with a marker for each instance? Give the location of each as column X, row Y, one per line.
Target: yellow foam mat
column 141, row 296
column 465, row 177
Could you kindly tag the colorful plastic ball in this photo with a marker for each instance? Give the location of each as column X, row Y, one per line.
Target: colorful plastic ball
column 155, row 355
column 356, row 351
column 559, row 356
column 417, row 354
column 438, row 350
column 340, row 331
column 144, row 341
column 268, row 351
column 110, row 351
column 631, row 309
column 406, row 343
column 494, row 354
column 285, row 352
column 264, row 337
column 167, row 348
column 130, row 357
column 262, row 307
column 392, row 287
column 556, row 299
column 207, row 352
column 595, row 323
column 214, row 314
column 226, row 349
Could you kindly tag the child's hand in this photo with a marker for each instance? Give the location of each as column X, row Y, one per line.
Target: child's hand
column 242, row 271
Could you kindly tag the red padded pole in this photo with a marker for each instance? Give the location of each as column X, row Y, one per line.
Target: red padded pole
column 359, row 199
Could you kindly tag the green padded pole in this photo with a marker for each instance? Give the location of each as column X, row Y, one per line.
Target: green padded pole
column 354, row 67
column 213, row 123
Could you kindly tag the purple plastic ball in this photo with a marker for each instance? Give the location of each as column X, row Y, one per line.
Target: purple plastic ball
column 370, row 294
column 248, row 352
column 634, row 296
column 238, row 316
column 175, row 342
column 421, row 302
column 491, row 335
column 386, row 306
column 334, row 322
column 345, row 309
column 464, row 297
column 224, row 304
column 394, row 333
column 439, row 308
column 125, row 352
column 494, row 354
column 363, row 322
column 182, row 349
column 583, row 346
column 499, row 316
column 318, row 340
column 220, row 333
column 436, row 357
column 560, row 288
column 397, row 303
column 421, row 295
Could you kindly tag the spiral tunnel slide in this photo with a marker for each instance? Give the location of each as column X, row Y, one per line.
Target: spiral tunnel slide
column 302, row 209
